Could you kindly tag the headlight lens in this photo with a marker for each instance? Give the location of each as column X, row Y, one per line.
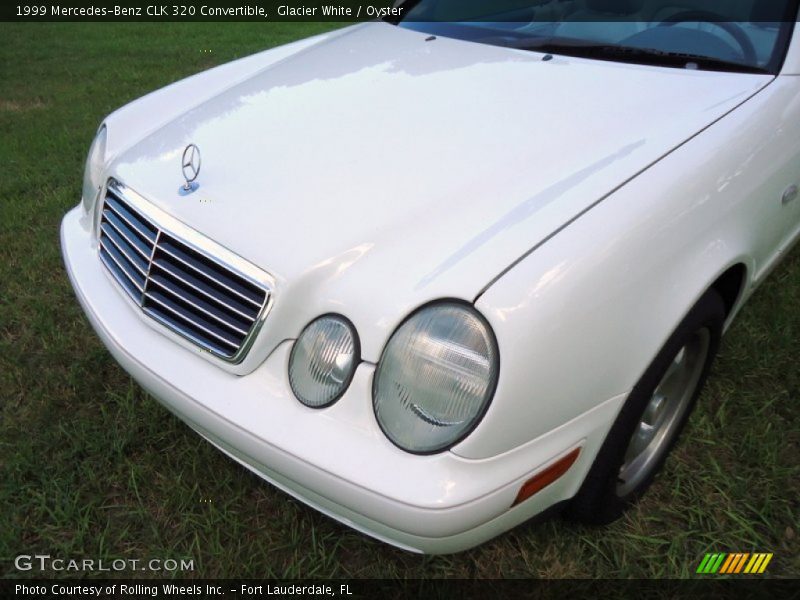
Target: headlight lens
column 436, row 378
column 323, row 361
column 93, row 172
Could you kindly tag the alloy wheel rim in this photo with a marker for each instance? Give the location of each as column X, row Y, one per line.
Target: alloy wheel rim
column 664, row 412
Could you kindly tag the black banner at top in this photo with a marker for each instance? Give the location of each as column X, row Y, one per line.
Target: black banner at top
column 202, row 10
column 517, row 11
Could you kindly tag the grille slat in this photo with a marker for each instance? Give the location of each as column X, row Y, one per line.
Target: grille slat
column 112, row 221
column 208, row 292
column 137, row 222
column 199, row 267
column 200, row 305
column 203, row 341
column 201, row 298
column 124, row 248
column 129, row 269
column 191, row 318
column 127, row 284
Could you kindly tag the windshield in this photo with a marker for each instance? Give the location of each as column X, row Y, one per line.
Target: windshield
column 730, row 35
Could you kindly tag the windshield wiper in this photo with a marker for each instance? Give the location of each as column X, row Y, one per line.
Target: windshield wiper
column 631, row 54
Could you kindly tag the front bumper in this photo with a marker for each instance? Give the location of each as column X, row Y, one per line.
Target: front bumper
column 336, row 460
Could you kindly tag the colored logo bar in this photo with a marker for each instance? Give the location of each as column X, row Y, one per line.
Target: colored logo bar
column 734, row 563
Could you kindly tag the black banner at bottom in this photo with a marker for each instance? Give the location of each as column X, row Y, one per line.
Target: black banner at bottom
column 355, row 589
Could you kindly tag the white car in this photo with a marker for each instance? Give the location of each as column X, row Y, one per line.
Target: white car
column 433, row 278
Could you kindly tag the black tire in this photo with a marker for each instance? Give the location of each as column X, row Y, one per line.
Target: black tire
column 599, row 500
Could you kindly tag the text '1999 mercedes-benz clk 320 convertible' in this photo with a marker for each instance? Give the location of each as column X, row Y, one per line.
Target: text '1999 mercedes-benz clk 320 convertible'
column 437, row 275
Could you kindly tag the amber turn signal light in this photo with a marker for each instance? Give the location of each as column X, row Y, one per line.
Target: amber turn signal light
column 544, row 478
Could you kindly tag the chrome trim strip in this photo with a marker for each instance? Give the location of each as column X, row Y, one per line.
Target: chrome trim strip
column 209, row 276
column 203, row 344
column 175, row 310
column 112, row 251
column 193, row 301
column 123, row 230
column 132, row 257
column 227, row 261
column 184, row 279
column 128, row 218
column 150, row 267
column 115, row 272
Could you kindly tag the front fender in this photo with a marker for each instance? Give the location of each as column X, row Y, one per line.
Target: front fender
column 582, row 316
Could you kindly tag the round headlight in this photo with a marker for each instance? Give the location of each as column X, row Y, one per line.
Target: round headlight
column 436, row 378
column 323, row 361
column 93, row 172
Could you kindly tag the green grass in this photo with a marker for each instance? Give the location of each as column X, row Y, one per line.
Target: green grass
column 90, row 466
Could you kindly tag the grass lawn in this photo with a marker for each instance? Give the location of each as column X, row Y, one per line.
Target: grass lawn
column 90, row 466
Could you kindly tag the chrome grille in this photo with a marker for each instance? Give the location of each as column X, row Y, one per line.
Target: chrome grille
column 199, row 297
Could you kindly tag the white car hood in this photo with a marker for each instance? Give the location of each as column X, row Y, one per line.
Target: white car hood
column 376, row 170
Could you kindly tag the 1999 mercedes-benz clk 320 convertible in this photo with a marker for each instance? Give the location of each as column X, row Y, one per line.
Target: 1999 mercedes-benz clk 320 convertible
column 434, row 277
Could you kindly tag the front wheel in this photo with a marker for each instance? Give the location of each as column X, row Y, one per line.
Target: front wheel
column 652, row 417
